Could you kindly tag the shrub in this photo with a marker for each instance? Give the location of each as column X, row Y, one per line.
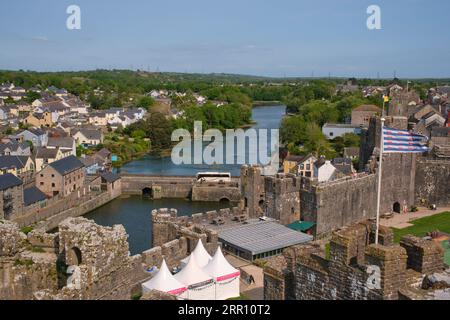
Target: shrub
column 27, row 229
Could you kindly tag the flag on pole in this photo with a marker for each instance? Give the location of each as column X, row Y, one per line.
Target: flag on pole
column 400, row 141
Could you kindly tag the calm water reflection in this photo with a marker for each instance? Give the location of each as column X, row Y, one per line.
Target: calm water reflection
column 134, row 212
column 267, row 117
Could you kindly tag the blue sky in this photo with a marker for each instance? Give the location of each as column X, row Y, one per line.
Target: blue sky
column 260, row 37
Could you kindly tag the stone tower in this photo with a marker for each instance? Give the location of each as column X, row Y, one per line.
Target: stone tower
column 161, row 226
column 252, row 190
column 283, row 198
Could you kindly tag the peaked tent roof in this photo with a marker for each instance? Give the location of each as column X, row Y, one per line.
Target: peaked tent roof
column 164, row 281
column 192, row 274
column 219, row 268
column 202, row 257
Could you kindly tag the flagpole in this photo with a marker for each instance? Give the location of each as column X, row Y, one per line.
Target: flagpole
column 380, row 166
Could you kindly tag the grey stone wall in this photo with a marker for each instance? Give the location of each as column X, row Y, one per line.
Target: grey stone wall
column 338, row 204
column 345, row 274
column 11, row 202
column 432, row 182
column 252, row 190
column 282, row 198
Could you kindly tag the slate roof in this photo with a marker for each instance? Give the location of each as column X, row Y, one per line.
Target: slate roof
column 46, row 153
column 320, row 162
column 8, row 162
column 110, row 177
column 33, row 195
column 90, row 133
column 294, row 158
column 90, row 161
column 13, row 146
column 8, row 181
column 344, row 165
column 67, row 165
column 36, row 131
column 104, row 153
column 63, row 142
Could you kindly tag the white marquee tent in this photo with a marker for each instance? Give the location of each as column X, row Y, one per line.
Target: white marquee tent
column 202, row 256
column 225, row 275
column 164, row 281
column 200, row 285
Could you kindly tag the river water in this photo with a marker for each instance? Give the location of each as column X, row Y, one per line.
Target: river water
column 267, row 117
column 134, row 212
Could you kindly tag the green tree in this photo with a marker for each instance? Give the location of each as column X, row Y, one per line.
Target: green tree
column 145, row 102
column 32, row 96
column 159, row 130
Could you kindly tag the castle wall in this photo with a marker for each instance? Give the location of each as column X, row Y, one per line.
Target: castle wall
column 216, row 192
column 282, row 200
column 338, row 204
column 432, row 182
column 348, row 272
column 252, row 190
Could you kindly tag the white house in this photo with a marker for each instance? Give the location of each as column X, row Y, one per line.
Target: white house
column 66, row 145
column 332, row 131
column 324, row 171
column 89, row 137
column 3, row 113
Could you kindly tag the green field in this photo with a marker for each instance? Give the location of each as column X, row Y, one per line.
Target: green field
column 422, row 226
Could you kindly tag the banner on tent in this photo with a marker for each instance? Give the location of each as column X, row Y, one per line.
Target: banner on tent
column 224, row 283
column 202, row 285
column 233, row 275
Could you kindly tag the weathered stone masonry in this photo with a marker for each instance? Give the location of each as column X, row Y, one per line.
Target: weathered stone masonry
column 305, row 273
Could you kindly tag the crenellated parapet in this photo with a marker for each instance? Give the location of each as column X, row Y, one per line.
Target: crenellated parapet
column 354, row 268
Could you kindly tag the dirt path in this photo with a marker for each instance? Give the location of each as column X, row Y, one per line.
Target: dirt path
column 253, row 291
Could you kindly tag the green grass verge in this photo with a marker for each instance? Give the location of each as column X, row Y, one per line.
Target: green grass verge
column 422, row 226
column 241, row 297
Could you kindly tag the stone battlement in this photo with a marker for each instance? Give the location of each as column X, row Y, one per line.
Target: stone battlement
column 349, row 271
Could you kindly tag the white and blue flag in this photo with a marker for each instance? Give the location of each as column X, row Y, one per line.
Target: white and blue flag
column 400, row 141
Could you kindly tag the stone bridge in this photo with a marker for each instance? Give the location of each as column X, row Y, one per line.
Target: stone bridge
column 177, row 187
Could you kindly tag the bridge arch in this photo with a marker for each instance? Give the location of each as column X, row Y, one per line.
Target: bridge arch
column 224, row 200
column 147, row 192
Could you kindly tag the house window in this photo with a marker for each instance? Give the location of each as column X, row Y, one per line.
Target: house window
column 42, row 183
column 331, row 134
column 53, row 185
column 53, row 175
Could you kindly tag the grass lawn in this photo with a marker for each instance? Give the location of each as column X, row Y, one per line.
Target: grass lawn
column 241, row 297
column 422, row 226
